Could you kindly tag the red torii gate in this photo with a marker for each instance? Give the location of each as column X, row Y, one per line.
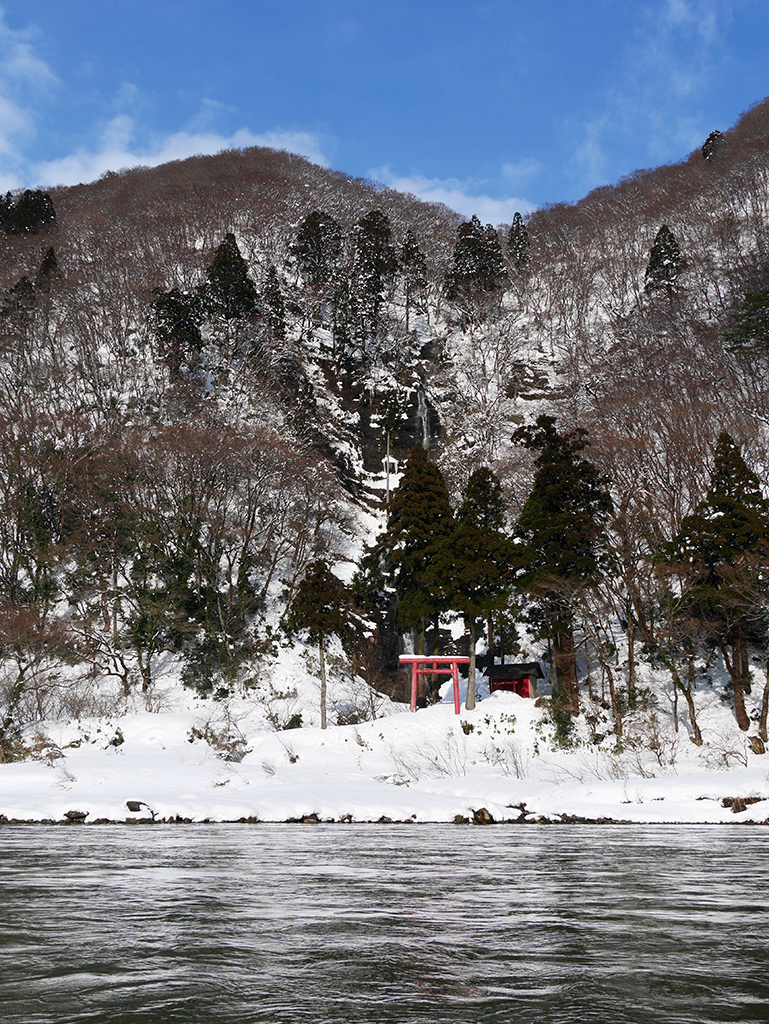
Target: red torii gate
column 428, row 665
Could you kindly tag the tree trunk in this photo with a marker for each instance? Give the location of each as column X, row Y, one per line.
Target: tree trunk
column 566, row 663
column 686, row 690
column 8, row 720
column 145, row 670
column 631, row 678
column 744, row 660
column 587, row 666
column 675, row 707
column 435, row 680
column 419, row 639
column 387, row 457
column 322, row 685
column 739, row 706
column 734, row 666
column 470, row 699
column 419, row 648
column 614, row 701
column 764, row 705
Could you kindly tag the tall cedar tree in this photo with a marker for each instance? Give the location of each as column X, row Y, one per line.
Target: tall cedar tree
column 17, row 315
column 711, row 144
column 229, row 291
column 21, row 297
column 721, row 554
column 49, row 268
column 275, row 310
column 561, row 528
column 494, row 273
column 320, row 609
column 750, row 333
column 348, row 318
column 318, row 248
column 318, row 251
column 375, row 265
column 473, row 568
column 478, row 274
column 176, row 316
column 666, row 263
column 484, row 505
column 419, row 522
column 413, row 268
column 32, row 212
column 518, row 245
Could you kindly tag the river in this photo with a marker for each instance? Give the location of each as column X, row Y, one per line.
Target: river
column 223, row 924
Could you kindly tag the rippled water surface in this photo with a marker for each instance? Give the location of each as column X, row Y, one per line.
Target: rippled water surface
column 426, row 924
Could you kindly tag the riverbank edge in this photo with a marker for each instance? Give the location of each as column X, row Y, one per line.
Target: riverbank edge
column 311, row 819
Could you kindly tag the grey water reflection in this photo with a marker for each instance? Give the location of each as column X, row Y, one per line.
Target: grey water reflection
column 496, row 925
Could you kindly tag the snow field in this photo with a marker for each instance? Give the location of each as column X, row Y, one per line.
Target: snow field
column 203, row 760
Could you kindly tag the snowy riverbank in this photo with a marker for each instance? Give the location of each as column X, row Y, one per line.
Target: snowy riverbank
column 431, row 766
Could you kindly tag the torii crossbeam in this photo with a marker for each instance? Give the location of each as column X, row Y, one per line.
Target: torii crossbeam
column 428, row 665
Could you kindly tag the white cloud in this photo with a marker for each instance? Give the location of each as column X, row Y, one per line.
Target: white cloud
column 24, row 81
column 116, row 149
column 665, row 66
column 521, row 171
column 457, row 195
column 590, row 155
column 674, row 52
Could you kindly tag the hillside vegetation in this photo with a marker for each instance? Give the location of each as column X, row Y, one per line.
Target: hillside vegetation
column 204, row 367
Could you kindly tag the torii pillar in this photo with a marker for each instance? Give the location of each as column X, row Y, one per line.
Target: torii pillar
column 428, row 665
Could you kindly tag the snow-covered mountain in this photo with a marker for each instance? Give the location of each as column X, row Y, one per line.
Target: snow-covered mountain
column 204, row 369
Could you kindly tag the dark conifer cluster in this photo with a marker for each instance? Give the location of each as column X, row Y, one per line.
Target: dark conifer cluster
column 27, row 214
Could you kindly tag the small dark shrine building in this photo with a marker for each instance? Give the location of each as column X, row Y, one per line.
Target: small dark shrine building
column 520, row 678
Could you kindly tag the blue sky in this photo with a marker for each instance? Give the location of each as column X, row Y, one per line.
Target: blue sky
column 490, row 106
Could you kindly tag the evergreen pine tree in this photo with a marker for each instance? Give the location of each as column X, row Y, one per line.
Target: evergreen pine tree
column 375, row 265
column 666, row 263
column 318, row 248
column 722, row 552
column 473, row 567
column 493, row 273
column 420, row 519
column 346, row 318
column 45, row 281
column 750, row 333
column 229, row 291
column 176, row 316
column 318, row 253
column 275, row 310
column 30, row 214
column 413, row 270
column 478, row 270
column 518, row 245
column 483, row 504
column 711, row 144
column 49, row 268
column 561, row 528
column 21, row 297
column 482, row 500
column 320, row 609
column 465, row 275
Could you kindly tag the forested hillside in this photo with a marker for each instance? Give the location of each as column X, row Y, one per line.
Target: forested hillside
column 204, row 365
